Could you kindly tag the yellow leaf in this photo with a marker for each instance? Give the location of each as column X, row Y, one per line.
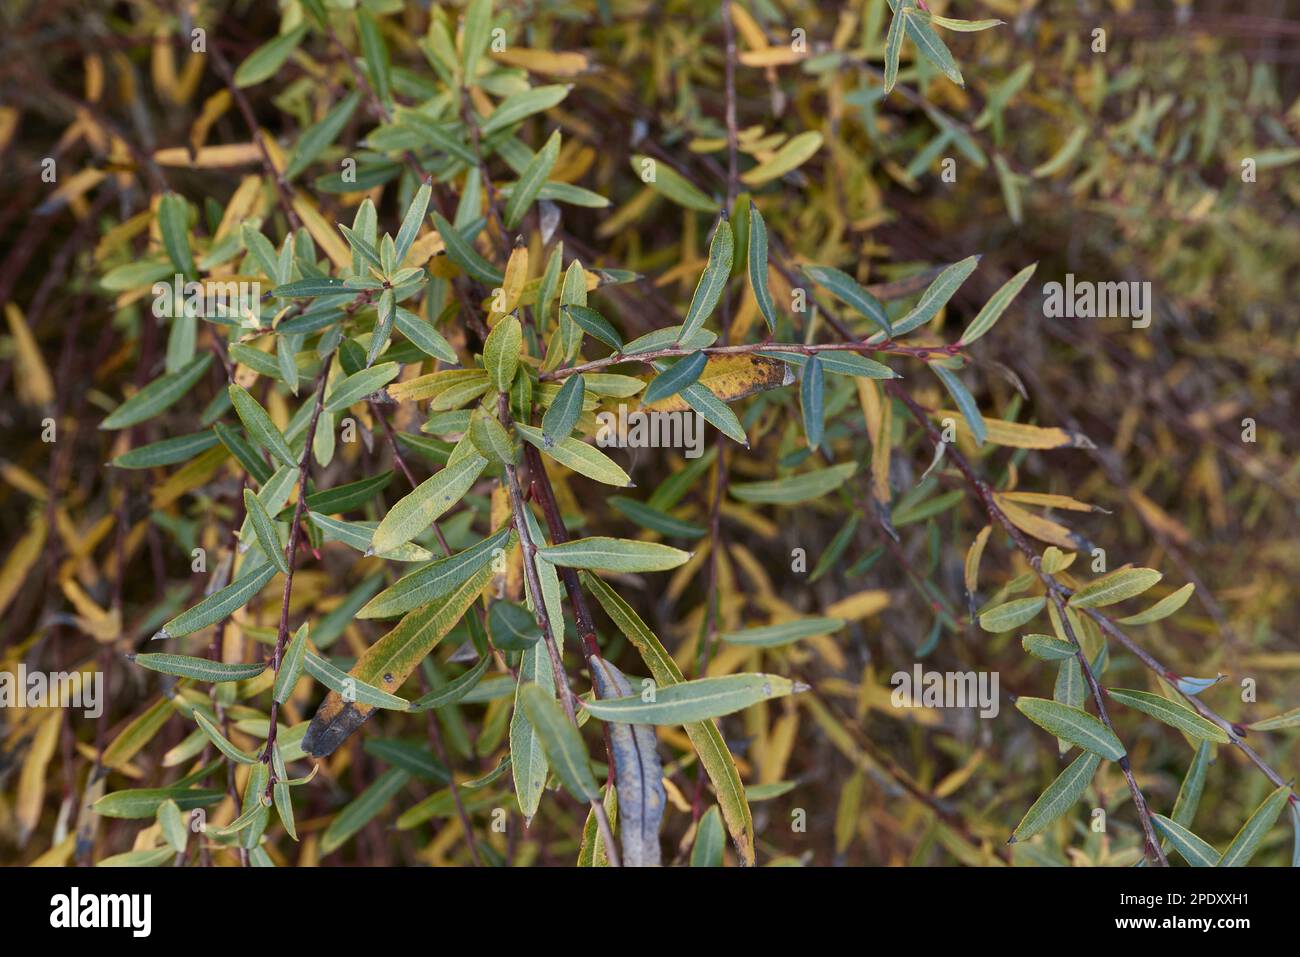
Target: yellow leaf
column 211, row 157
column 862, row 605
column 789, row 157
column 749, row 29
column 22, row 556
column 543, row 61
column 1045, row 500
column 326, row 236
column 1020, row 436
column 771, row 56
column 973, row 556
column 1039, row 527
column 732, row 377
column 31, row 783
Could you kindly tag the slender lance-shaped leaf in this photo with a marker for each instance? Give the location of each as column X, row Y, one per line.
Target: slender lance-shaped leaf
column 1288, row 719
column 965, row 402
column 936, row 295
column 438, row 579
column 173, row 224
column 359, row 385
column 319, row 136
column 1252, row 833
column 847, row 289
column 713, row 281
column 758, row 267
column 528, row 762
column 1172, row 713
column 430, row 499
column 363, row 810
column 465, row 255
column 1072, row 724
column 665, row 180
column 614, row 555
column 224, row 746
column 707, row 850
column 200, row 669
column 1115, row 587
column 264, row 527
column 685, row 372
column 715, row 412
column 346, row 685
column 561, row 742
column 693, row 701
column 1059, row 797
column 182, row 448
column 647, row 516
column 291, row 665
column 997, row 304
column 774, row 636
column 1195, row 851
column 259, row 425
column 531, row 180
column 1162, row 609
column 520, row 106
column 159, row 395
column 565, row 410
column 1047, row 647
column 812, row 400
column 263, row 62
column 893, row 49
column 218, row 605
column 145, row 802
column 705, row 737
column 1012, row 614
column 595, row 325
column 579, row 456
column 797, row 488
column 410, row 227
column 501, row 352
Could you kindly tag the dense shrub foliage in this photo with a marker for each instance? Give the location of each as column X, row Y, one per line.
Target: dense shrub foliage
column 628, row 433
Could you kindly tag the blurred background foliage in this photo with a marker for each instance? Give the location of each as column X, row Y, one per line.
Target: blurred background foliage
column 1122, row 165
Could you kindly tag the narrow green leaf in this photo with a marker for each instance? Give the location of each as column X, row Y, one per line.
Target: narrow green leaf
column 182, row 448
column 685, row 372
column 224, row 746
column 320, row 136
column 159, row 395
column 1161, row 609
column 564, row 412
column 528, row 762
column 596, row 325
column 1115, row 587
column 465, row 255
column 707, row 850
column 437, row 579
column 410, row 227
column 217, row 605
column 1012, row 614
column 201, row 669
column 520, row 106
column 560, row 740
column 174, row 225
column 1072, row 724
column 665, row 180
column 263, row 62
column 613, row 554
column 758, row 267
column 812, row 400
column 291, row 665
column 1059, row 797
column 689, row 702
column 965, row 402
column 267, row 534
column 796, row 488
column 713, row 281
column 531, row 180
column 997, row 304
column 414, row 512
column 847, row 289
column 1194, row 851
column 1047, row 647
column 501, row 352
column 577, row 455
column 1170, row 712
column 1252, row 833
column 259, row 425
column 784, row 633
column 354, row 388
column 363, row 810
